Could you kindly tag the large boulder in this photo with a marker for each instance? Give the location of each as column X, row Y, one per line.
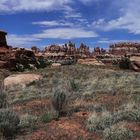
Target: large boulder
column 91, row 61
column 135, row 63
column 20, row 80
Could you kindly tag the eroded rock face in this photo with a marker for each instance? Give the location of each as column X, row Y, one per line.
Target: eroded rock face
column 3, row 41
column 20, row 80
column 124, row 48
column 90, row 62
column 57, row 52
column 135, row 62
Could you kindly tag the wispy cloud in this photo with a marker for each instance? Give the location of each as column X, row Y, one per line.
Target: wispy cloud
column 54, row 33
column 129, row 19
column 66, row 33
column 21, row 40
column 109, row 41
column 53, row 23
column 33, row 5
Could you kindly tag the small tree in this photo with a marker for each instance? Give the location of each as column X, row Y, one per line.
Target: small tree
column 58, row 102
column 124, row 63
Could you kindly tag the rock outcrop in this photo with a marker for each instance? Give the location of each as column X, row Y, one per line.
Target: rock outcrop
column 124, row 48
column 135, row 62
column 20, row 80
column 3, row 41
column 90, row 61
column 66, row 54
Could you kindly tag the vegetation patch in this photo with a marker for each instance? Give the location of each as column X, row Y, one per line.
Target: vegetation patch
column 8, row 122
column 117, row 133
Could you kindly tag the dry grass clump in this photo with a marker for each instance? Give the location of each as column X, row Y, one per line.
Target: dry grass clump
column 129, row 112
column 118, row 132
column 28, row 121
column 98, row 123
column 8, row 122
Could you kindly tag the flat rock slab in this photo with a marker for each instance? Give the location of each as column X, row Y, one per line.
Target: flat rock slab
column 20, row 80
column 56, row 65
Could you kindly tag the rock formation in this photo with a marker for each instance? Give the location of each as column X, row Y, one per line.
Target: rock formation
column 135, row 62
column 3, row 41
column 5, row 50
column 66, row 54
column 98, row 51
column 124, row 48
column 17, row 58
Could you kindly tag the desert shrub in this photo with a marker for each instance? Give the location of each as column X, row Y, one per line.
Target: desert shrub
column 20, row 67
column 28, row 122
column 46, row 117
column 97, row 123
column 3, row 100
column 41, row 63
column 129, row 112
column 59, row 101
column 74, row 85
column 124, row 63
column 117, row 133
column 130, row 115
column 8, row 122
column 3, row 96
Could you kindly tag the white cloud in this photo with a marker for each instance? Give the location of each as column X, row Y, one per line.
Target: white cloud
column 33, row 5
column 72, row 14
column 66, row 33
column 87, row 2
column 21, row 40
column 57, row 33
column 53, row 23
column 129, row 19
column 109, row 41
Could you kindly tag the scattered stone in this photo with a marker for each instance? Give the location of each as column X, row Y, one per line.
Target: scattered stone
column 56, row 65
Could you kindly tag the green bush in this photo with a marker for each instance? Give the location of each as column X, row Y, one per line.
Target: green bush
column 20, row 67
column 8, row 122
column 3, row 100
column 41, row 63
column 3, row 97
column 59, row 101
column 117, row 133
column 47, row 117
column 74, row 85
column 124, row 63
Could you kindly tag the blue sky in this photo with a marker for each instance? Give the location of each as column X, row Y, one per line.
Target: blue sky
column 93, row 22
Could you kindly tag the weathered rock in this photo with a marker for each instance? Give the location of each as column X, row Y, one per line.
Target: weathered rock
column 56, row 65
column 124, row 48
column 20, row 80
column 57, row 53
column 3, row 38
column 135, row 63
column 90, row 62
